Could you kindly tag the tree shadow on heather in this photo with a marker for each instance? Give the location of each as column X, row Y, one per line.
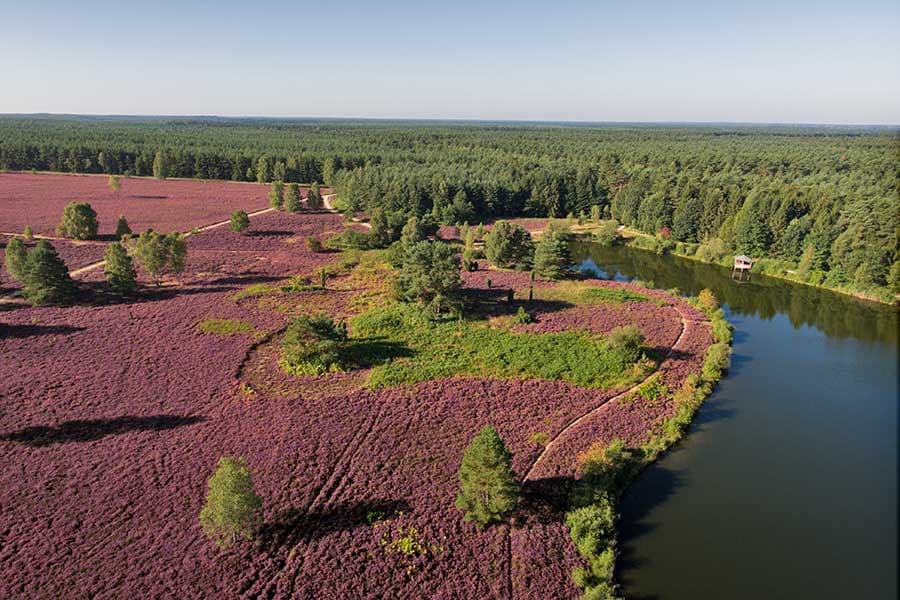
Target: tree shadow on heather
column 89, row 430
column 544, row 500
column 26, row 331
column 290, row 527
column 363, row 353
column 494, row 302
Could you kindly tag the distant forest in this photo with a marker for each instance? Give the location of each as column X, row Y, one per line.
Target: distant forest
column 823, row 199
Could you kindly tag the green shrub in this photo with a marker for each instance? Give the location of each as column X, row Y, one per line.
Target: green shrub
column 240, row 222
column 312, row 345
column 522, row 316
column 607, row 233
column 716, row 362
column 707, row 301
column 313, row 244
column 351, row 239
column 721, row 330
column 16, row 253
column 592, row 526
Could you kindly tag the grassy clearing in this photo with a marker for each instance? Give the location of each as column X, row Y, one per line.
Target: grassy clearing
column 436, row 348
column 224, row 327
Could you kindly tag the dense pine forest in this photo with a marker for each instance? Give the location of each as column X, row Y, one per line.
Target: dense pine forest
column 820, row 203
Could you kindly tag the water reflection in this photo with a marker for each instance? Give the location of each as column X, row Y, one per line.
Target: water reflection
column 836, row 315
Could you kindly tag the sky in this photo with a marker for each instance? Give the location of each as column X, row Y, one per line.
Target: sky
column 764, row 61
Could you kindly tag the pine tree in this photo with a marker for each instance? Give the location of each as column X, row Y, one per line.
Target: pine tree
column 508, row 245
column 292, row 198
column 314, row 197
column 279, row 171
column 28, row 234
column 239, row 221
column 276, row 195
column 119, row 269
column 159, row 165
column 16, row 254
column 79, row 221
column 122, row 228
column 232, row 508
column 154, row 252
column 551, row 257
column 46, row 277
column 114, row 184
column 262, row 170
column 488, row 487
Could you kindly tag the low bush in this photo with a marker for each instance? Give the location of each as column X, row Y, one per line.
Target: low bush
column 312, row 345
column 313, row 244
column 716, row 362
column 523, row 317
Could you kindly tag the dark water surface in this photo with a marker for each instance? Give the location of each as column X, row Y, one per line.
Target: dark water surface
column 786, row 486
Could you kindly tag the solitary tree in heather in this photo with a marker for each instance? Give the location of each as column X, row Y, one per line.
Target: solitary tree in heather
column 292, row 198
column 79, row 221
column 551, row 257
column 276, row 195
column 152, row 253
column 239, row 221
column 28, row 234
column 15, row 259
column 122, row 227
column 488, row 487
column 114, row 184
column 46, row 278
column 119, row 269
column 232, row 507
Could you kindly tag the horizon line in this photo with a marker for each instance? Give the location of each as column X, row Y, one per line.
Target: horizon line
column 451, row 119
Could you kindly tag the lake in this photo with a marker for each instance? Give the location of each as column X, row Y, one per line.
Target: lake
column 786, row 485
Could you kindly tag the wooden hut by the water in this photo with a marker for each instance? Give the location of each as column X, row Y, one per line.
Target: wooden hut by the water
column 741, row 264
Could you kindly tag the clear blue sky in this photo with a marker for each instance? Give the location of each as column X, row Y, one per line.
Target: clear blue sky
column 811, row 61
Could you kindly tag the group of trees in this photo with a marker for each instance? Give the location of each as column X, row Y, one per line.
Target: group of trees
column 488, row 491
column 768, row 192
column 45, row 277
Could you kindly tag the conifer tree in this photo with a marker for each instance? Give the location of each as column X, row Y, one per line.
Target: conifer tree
column 176, row 247
column 28, row 234
column 114, row 184
column 508, row 245
column 488, row 487
column 239, row 221
column 314, row 197
column 79, row 221
column 122, row 228
column 15, row 259
column 551, row 257
column 159, row 165
column 292, row 198
column 232, row 508
column 119, row 269
column 46, row 278
column 276, row 195
column 262, row 170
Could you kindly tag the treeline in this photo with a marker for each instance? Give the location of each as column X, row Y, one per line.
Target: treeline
column 820, row 199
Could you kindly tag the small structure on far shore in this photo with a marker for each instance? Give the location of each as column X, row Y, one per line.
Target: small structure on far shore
column 742, row 263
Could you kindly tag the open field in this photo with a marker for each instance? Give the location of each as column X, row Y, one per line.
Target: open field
column 177, row 205
column 112, row 417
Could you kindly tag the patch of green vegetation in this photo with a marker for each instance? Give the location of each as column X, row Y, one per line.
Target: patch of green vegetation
column 224, row 327
column 576, row 292
column 257, row 289
column 445, row 346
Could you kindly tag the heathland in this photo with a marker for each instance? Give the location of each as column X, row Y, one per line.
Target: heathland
column 349, row 381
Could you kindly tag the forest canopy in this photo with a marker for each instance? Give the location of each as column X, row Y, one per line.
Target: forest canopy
column 822, row 198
